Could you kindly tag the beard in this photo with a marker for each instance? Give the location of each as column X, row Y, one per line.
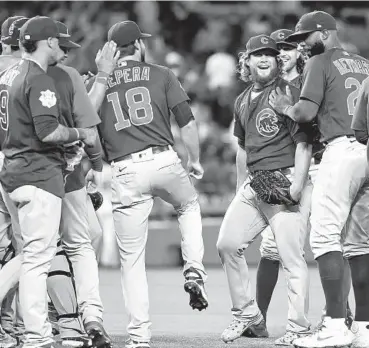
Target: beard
column 261, row 78
column 317, row 48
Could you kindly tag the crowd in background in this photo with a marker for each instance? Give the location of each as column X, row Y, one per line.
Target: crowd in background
column 200, row 42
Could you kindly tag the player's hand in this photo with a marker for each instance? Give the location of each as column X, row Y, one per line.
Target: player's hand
column 88, row 136
column 93, row 180
column 195, row 170
column 295, row 192
column 280, row 100
column 86, row 77
column 106, row 58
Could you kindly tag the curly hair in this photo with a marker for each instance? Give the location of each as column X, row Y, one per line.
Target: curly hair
column 244, row 70
column 300, row 64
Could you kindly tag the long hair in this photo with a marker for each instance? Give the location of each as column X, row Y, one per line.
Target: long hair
column 300, row 64
column 243, row 68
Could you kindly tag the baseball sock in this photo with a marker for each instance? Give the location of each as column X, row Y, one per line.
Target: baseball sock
column 331, row 269
column 347, row 288
column 266, row 280
column 360, row 281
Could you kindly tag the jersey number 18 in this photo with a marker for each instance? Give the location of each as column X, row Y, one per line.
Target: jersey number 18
column 140, row 112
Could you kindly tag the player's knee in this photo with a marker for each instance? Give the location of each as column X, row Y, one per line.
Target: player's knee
column 227, row 246
column 321, row 245
column 190, row 206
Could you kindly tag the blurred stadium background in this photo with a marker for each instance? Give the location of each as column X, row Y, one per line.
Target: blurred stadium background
column 199, row 41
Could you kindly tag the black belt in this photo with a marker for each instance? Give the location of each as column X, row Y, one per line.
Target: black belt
column 155, row 150
column 325, row 143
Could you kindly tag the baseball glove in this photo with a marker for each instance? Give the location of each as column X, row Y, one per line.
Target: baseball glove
column 272, row 187
column 97, row 199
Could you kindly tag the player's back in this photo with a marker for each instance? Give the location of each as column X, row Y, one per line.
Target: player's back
column 343, row 73
column 135, row 113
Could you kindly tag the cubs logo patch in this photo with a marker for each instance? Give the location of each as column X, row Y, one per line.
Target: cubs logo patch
column 264, row 40
column 281, row 36
column 267, row 123
column 47, row 99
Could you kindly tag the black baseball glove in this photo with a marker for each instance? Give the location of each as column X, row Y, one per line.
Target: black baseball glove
column 272, row 187
column 97, row 199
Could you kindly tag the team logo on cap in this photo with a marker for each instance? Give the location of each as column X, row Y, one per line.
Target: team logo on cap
column 281, row 36
column 267, row 123
column 264, row 40
column 47, row 99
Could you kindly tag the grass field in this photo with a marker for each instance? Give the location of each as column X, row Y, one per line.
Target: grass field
column 176, row 325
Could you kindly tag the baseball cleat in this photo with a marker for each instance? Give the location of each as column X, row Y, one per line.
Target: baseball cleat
column 257, row 331
column 331, row 333
column 136, row 344
column 288, row 338
column 7, row 341
column 80, row 341
column 100, row 339
column 237, row 328
column 360, row 329
column 194, row 285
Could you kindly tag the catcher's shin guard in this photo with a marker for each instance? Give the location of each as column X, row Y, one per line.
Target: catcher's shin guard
column 61, row 290
column 8, row 255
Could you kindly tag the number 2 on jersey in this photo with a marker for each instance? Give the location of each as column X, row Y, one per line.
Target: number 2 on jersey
column 140, row 112
column 352, row 97
column 4, row 118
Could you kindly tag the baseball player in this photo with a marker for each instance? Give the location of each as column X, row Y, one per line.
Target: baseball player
column 78, row 111
column 32, row 172
column 268, row 268
column 135, row 127
column 331, row 82
column 271, row 143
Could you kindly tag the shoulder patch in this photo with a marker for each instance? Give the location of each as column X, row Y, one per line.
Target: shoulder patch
column 47, row 99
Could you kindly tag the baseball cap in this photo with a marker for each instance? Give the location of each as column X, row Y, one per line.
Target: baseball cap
column 125, row 32
column 310, row 22
column 64, row 41
column 260, row 43
column 10, row 30
column 279, row 36
column 39, row 28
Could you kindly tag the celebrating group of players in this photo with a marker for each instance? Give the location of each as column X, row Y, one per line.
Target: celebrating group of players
column 276, row 119
column 49, row 115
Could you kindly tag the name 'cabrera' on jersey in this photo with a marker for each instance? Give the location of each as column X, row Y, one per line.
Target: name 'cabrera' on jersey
column 332, row 80
column 269, row 138
column 135, row 113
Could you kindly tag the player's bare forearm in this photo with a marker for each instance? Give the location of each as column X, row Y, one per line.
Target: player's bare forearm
column 65, row 135
column 242, row 172
column 303, row 157
column 190, row 139
column 94, row 153
column 98, row 91
column 303, row 111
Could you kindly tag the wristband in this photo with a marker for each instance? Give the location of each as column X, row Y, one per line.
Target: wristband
column 73, row 135
column 102, row 77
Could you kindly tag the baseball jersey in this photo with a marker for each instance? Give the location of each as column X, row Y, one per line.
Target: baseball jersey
column 361, row 113
column 27, row 92
column 76, row 111
column 269, row 138
column 332, row 80
column 135, row 113
column 296, row 82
